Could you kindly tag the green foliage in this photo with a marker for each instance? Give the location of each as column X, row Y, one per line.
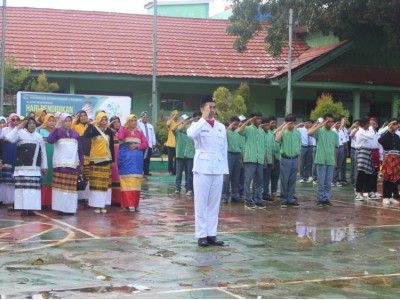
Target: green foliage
column 41, row 84
column 161, row 131
column 341, row 17
column 325, row 104
column 244, row 91
column 230, row 104
column 14, row 78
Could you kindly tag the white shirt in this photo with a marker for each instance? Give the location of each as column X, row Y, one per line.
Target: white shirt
column 211, row 156
column 364, row 138
column 305, row 141
column 341, row 136
column 151, row 136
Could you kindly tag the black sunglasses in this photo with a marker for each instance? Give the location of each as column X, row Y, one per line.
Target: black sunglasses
column 15, row 119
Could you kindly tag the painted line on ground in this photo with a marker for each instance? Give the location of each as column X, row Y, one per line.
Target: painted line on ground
column 363, row 204
column 68, row 225
column 201, row 289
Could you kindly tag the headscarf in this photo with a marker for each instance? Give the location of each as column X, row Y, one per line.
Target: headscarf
column 113, row 118
column 27, row 119
column 174, row 112
column 46, row 119
column 100, row 116
column 3, row 119
column 62, row 118
column 128, row 118
column 39, row 113
column 10, row 118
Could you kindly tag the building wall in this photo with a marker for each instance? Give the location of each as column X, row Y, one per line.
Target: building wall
column 183, row 10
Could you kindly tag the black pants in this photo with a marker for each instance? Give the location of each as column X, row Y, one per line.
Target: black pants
column 171, row 160
column 364, row 182
column 390, row 189
column 146, row 162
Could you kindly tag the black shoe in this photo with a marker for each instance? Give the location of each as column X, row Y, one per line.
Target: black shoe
column 234, row 200
column 24, row 213
column 148, row 174
column 320, row 204
column 266, row 198
column 294, row 204
column 212, row 240
column 328, row 204
column 31, row 213
column 260, row 206
column 202, row 242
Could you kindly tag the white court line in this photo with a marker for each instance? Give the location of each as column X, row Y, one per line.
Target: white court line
column 70, row 226
column 201, row 289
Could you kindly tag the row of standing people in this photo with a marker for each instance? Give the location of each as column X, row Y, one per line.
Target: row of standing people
column 42, row 158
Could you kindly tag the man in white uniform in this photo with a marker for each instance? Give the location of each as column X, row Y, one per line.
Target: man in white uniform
column 210, row 164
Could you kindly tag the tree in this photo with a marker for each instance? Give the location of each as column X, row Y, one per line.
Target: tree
column 161, row 131
column 325, row 104
column 343, row 18
column 41, row 84
column 14, row 78
column 229, row 104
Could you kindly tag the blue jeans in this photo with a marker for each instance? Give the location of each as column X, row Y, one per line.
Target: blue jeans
column 325, row 174
column 233, row 179
column 314, row 166
column 342, row 175
column 180, row 168
column 288, row 180
column 306, row 162
column 275, row 174
column 339, row 162
column 267, row 181
column 253, row 172
column 241, row 181
column 189, row 174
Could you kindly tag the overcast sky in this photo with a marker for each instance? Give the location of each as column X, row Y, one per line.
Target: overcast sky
column 124, row 6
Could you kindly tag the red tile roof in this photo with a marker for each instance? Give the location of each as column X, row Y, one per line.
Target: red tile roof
column 309, row 55
column 82, row 41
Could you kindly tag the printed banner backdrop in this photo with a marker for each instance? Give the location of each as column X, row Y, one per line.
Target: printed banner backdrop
column 113, row 105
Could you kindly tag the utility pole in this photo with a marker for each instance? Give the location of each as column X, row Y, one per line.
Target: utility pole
column 3, row 53
column 289, row 86
column 154, row 106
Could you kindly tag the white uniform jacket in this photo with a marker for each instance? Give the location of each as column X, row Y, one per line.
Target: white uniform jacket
column 152, row 136
column 211, row 156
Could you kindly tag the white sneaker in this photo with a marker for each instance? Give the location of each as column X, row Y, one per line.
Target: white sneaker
column 315, row 182
column 302, row 180
column 393, row 201
column 310, row 179
column 97, row 210
column 372, row 196
column 365, row 194
column 338, row 184
column 359, row 197
column 103, row 210
column 378, row 195
column 177, row 191
column 189, row 193
column 131, row 208
column 386, row 201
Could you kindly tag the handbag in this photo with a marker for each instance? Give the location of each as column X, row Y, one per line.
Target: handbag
column 81, row 183
column 156, row 153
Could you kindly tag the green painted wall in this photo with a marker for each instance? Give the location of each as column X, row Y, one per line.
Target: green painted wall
column 184, row 10
column 318, row 39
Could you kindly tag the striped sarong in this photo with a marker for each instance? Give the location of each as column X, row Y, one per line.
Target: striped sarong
column 100, row 178
column 27, row 183
column 64, row 181
column 364, row 161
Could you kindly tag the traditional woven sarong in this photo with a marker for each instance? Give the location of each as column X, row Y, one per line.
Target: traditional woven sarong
column 115, row 182
column 65, row 182
column 364, row 161
column 100, row 178
column 391, row 166
column 27, row 192
column 375, row 157
column 64, row 194
column 131, row 185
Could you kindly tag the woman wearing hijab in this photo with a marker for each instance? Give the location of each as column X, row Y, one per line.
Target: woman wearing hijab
column 67, row 163
column 80, row 125
column 30, row 163
column 39, row 115
column 171, row 142
column 3, row 122
column 130, row 163
column 115, row 125
column 101, row 159
column 9, row 159
column 44, row 130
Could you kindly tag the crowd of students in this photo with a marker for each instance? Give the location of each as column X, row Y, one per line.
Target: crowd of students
column 260, row 154
column 43, row 155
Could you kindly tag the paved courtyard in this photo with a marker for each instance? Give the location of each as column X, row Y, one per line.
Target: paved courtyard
column 345, row 251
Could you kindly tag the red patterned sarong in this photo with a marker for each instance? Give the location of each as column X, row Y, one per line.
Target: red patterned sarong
column 391, row 168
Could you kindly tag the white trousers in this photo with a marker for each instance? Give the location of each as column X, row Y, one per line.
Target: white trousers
column 207, row 197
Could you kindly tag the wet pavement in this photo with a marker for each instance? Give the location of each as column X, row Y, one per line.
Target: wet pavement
column 349, row 250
